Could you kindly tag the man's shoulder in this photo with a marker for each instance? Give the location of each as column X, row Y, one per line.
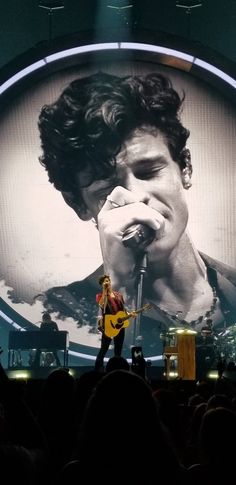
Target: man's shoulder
column 75, row 299
column 86, row 287
column 225, row 270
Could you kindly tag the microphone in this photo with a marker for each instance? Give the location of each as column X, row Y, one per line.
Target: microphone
column 138, row 236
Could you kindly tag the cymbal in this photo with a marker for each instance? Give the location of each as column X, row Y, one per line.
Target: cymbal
column 232, row 328
column 206, row 331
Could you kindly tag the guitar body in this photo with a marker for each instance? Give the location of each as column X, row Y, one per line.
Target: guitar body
column 114, row 323
column 111, row 325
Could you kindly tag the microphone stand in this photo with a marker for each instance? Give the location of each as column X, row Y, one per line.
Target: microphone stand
column 104, row 303
column 137, row 321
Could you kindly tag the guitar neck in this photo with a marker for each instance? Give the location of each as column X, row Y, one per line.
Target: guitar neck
column 138, row 311
column 128, row 315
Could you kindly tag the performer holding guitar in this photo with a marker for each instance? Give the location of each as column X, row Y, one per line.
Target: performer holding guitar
column 111, row 303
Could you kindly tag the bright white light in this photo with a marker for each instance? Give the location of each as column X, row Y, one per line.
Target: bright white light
column 158, row 49
column 216, row 71
column 188, row 331
column 10, row 321
column 20, row 375
column 213, row 375
column 23, row 73
column 81, row 50
column 116, row 45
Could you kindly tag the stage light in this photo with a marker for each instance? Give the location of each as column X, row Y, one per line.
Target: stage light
column 188, row 5
column 20, row 374
column 51, row 5
column 123, row 10
column 212, row 374
column 119, row 9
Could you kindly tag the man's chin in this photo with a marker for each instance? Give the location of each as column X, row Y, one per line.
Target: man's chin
column 159, row 250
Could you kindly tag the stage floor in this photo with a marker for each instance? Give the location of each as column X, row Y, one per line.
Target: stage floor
column 153, row 372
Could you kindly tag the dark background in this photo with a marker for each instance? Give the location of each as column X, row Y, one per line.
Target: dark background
column 25, row 25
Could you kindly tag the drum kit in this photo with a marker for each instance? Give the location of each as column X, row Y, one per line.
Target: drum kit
column 214, row 345
column 227, row 343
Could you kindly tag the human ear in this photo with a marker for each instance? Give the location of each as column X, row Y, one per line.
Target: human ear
column 186, row 178
column 80, row 209
column 187, row 170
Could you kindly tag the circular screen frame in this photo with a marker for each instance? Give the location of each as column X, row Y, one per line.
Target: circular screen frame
column 39, row 67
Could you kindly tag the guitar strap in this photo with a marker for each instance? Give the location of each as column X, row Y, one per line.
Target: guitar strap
column 106, row 302
column 114, row 305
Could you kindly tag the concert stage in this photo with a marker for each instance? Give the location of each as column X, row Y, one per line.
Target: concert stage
column 27, row 372
column 154, row 374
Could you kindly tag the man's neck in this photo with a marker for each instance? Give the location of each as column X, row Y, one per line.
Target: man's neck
column 178, row 281
column 179, row 272
column 182, row 285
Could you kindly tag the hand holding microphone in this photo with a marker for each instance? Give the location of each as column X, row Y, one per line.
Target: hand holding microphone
column 139, row 236
column 105, row 287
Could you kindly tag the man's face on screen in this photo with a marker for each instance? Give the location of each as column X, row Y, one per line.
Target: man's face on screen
column 106, row 283
column 146, row 168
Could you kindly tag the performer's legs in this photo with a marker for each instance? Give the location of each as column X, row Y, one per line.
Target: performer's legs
column 118, row 342
column 105, row 342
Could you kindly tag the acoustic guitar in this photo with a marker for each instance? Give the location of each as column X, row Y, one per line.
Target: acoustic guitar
column 111, row 325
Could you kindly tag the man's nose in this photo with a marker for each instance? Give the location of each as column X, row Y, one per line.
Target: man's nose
column 136, row 187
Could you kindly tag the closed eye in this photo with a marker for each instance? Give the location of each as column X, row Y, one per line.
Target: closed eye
column 148, row 174
column 147, row 169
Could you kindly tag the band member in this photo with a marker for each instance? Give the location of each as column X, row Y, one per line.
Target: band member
column 47, row 324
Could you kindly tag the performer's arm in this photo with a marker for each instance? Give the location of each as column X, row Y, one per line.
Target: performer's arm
column 101, row 299
column 131, row 313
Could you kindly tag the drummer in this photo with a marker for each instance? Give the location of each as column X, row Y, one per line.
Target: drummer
column 207, row 329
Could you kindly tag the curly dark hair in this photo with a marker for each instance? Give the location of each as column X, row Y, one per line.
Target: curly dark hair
column 87, row 124
column 102, row 278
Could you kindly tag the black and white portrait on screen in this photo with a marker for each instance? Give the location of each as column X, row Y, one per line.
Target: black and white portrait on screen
column 162, row 201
